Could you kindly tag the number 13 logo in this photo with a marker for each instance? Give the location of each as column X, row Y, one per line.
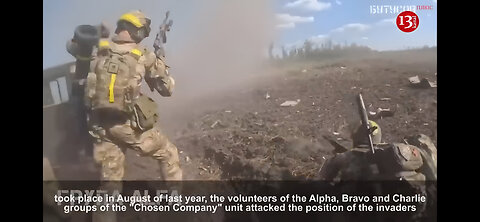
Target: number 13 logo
column 407, row 21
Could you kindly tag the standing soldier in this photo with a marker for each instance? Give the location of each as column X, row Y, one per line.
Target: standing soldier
column 118, row 115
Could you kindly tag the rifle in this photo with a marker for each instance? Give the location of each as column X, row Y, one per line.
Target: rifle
column 365, row 122
column 158, row 45
column 161, row 37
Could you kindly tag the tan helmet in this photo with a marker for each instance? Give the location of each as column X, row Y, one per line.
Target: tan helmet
column 360, row 135
column 136, row 23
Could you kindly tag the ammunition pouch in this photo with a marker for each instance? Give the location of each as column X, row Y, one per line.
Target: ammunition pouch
column 144, row 113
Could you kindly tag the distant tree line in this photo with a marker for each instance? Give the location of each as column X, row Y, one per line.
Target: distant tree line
column 309, row 50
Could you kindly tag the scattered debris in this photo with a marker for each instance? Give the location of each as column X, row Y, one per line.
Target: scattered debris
column 290, row 103
column 380, row 113
column 343, row 67
column 215, row 124
column 416, row 82
column 203, row 168
column 280, row 140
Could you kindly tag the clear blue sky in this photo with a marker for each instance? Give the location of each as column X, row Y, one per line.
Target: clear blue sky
column 296, row 20
column 377, row 31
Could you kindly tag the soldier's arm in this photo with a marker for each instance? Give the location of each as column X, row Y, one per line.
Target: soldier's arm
column 157, row 76
column 332, row 167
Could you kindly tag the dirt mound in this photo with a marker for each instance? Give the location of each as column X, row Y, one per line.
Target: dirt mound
column 251, row 136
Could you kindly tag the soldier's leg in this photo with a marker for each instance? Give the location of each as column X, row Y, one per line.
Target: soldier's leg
column 169, row 160
column 152, row 143
column 110, row 159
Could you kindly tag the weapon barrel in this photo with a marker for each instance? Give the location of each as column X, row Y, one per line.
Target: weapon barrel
column 86, row 36
column 364, row 118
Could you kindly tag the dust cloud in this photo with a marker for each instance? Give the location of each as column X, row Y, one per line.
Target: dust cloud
column 225, row 44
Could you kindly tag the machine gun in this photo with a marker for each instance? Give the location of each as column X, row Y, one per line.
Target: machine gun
column 158, row 45
column 365, row 123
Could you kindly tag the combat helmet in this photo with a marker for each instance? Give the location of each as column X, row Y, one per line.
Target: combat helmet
column 360, row 135
column 136, row 23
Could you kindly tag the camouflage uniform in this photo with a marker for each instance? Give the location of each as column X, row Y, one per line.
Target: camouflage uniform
column 390, row 162
column 415, row 163
column 116, row 130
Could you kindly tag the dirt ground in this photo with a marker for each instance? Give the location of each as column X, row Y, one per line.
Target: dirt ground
column 246, row 134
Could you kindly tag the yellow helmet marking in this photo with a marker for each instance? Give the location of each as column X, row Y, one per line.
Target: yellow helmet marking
column 132, row 19
column 374, row 124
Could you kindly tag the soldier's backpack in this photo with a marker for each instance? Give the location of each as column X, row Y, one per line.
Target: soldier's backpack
column 112, row 85
column 401, row 161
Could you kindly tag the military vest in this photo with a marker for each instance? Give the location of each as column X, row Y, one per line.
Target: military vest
column 113, row 85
